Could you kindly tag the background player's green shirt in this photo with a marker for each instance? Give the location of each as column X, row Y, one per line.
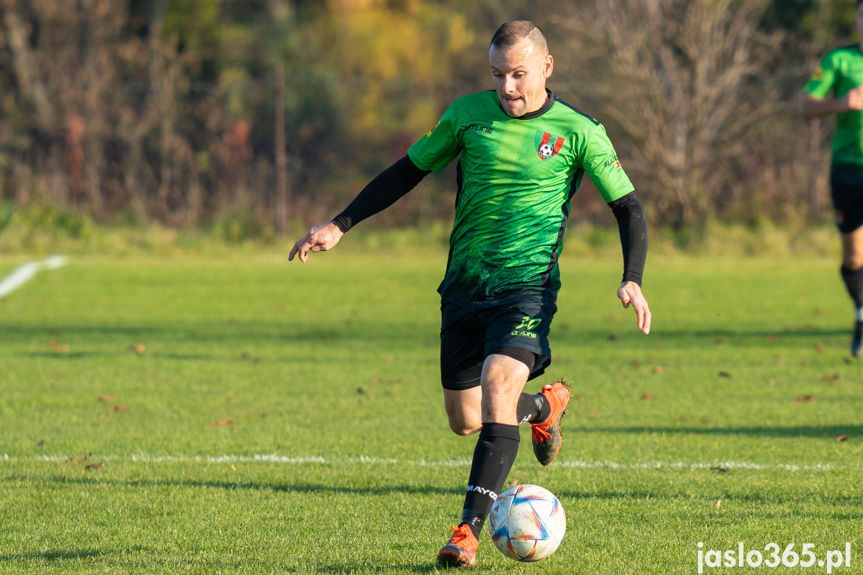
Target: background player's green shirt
column 516, row 177
column 839, row 72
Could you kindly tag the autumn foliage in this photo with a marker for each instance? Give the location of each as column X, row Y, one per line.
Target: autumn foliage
column 166, row 111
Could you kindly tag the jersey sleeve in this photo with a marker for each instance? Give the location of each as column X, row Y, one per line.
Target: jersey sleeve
column 440, row 146
column 601, row 164
column 821, row 82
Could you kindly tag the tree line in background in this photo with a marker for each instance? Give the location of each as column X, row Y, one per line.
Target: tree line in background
column 274, row 111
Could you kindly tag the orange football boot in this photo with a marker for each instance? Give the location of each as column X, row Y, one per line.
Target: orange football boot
column 460, row 550
column 546, row 435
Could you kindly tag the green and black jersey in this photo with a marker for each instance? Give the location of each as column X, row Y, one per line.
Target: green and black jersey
column 516, row 178
column 839, row 72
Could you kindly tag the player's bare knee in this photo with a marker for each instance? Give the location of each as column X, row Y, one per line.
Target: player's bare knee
column 497, row 396
column 462, row 423
column 460, row 427
column 853, row 261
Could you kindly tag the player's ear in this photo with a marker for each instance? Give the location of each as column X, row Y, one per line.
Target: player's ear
column 548, row 66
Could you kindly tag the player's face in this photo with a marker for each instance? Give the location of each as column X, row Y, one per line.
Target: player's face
column 519, row 73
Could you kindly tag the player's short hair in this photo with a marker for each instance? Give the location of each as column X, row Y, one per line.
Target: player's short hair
column 511, row 33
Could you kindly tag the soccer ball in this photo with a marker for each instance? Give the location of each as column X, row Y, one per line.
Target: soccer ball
column 527, row 523
column 545, row 151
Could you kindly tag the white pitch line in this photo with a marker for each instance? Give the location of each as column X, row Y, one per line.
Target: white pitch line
column 25, row 273
column 365, row 460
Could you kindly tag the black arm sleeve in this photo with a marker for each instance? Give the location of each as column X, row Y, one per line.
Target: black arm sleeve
column 633, row 235
column 381, row 193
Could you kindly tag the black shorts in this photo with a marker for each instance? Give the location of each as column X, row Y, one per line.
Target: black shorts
column 518, row 329
column 846, row 188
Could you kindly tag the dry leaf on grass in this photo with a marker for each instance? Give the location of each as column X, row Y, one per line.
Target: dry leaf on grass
column 59, row 347
column 82, row 457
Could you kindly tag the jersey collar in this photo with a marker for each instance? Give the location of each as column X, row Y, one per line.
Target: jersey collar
column 545, row 107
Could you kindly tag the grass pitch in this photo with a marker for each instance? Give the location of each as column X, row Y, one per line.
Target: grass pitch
column 246, row 415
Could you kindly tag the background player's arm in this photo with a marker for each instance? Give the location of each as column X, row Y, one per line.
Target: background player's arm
column 381, row 193
column 812, row 107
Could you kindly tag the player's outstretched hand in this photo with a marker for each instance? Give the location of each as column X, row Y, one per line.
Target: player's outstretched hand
column 630, row 293
column 320, row 238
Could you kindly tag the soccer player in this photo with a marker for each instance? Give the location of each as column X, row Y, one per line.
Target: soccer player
column 522, row 154
column 841, row 73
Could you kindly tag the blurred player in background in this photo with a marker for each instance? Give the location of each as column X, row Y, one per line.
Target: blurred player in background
column 836, row 87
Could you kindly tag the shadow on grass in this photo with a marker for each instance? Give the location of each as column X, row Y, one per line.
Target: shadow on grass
column 775, row 503
column 760, row 494
column 429, row 567
column 303, row 487
column 66, row 554
column 71, row 555
column 781, row 331
column 791, row 432
column 233, row 358
column 217, row 331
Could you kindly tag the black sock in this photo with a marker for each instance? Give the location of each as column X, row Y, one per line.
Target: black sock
column 854, row 283
column 532, row 408
column 493, row 457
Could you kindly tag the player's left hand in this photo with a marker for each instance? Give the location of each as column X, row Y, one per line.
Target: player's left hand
column 630, row 293
column 320, row 238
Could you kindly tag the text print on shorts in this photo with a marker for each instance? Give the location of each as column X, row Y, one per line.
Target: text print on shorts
column 526, row 327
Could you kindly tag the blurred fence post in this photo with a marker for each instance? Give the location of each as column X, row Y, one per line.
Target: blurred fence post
column 813, row 169
column 821, row 40
column 813, row 161
column 281, row 211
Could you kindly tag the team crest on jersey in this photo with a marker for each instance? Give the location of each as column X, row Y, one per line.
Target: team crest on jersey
column 547, row 145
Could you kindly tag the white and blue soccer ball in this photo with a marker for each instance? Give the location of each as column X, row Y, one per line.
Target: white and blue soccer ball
column 527, row 523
